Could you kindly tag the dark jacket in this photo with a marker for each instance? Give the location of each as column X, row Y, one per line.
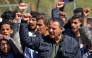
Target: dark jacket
column 55, row 13
column 15, row 51
column 43, row 44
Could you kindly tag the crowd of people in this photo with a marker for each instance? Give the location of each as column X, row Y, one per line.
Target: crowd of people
column 36, row 35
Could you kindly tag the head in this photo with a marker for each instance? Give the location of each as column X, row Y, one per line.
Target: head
column 64, row 19
column 76, row 21
column 55, row 28
column 78, row 11
column 42, row 23
column 89, row 22
column 32, row 21
column 5, row 46
column 63, row 16
column 6, row 28
column 8, row 16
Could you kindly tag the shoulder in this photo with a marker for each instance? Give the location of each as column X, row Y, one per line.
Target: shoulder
column 69, row 32
column 70, row 40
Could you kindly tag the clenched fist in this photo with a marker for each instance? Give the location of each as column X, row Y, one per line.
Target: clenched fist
column 59, row 5
column 26, row 16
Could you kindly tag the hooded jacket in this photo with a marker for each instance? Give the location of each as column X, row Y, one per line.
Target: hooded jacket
column 16, row 52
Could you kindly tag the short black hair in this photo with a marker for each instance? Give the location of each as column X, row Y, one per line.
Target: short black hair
column 79, row 10
column 8, row 15
column 77, row 16
column 6, row 22
column 59, row 20
column 89, row 21
column 34, row 14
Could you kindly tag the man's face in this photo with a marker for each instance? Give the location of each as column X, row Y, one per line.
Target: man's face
column 32, row 23
column 89, row 25
column 75, row 24
column 5, row 46
column 6, row 30
column 41, row 27
column 54, row 30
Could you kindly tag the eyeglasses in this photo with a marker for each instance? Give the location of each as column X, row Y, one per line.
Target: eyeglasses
column 3, row 44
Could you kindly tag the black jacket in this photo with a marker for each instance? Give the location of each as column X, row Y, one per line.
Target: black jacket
column 43, row 44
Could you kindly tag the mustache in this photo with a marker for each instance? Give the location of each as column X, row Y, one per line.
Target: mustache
column 31, row 24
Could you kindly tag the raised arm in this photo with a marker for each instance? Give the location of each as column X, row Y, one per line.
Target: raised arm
column 84, row 29
column 31, row 42
column 56, row 11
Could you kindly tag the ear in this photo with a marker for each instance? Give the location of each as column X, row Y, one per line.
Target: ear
column 62, row 29
column 46, row 27
column 11, row 31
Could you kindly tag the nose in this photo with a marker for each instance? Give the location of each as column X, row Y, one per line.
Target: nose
column 50, row 30
column 5, row 45
column 72, row 24
column 5, row 30
column 37, row 27
column 30, row 21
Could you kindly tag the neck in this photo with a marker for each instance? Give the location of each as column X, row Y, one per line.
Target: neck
column 57, row 39
column 77, row 33
column 46, row 33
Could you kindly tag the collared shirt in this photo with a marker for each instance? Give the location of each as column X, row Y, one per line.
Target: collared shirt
column 56, row 48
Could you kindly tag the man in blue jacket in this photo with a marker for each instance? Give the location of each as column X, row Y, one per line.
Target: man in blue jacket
column 54, row 45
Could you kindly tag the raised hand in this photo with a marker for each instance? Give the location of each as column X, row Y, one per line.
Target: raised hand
column 22, row 6
column 59, row 5
column 62, row 13
column 17, row 17
column 26, row 16
column 86, row 12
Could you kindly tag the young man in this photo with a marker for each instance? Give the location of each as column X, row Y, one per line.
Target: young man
column 7, row 28
column 8, row 49
column 56, row 45
column 30, row 53
column 42, row 24
column 41, row 28
column 76, row 21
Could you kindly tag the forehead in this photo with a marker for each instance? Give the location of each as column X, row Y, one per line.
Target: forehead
column 5, row 26
column 40, row 21
column 75, row 20
column 32, row 19
column 53, row 24
column 3, row 41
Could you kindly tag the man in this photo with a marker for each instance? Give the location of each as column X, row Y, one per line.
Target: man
column 29, row 53
column 41, row 28
column 56, row 45
column 8, row 48
column 76, row 21
column 42, row 24
column 7, row 28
